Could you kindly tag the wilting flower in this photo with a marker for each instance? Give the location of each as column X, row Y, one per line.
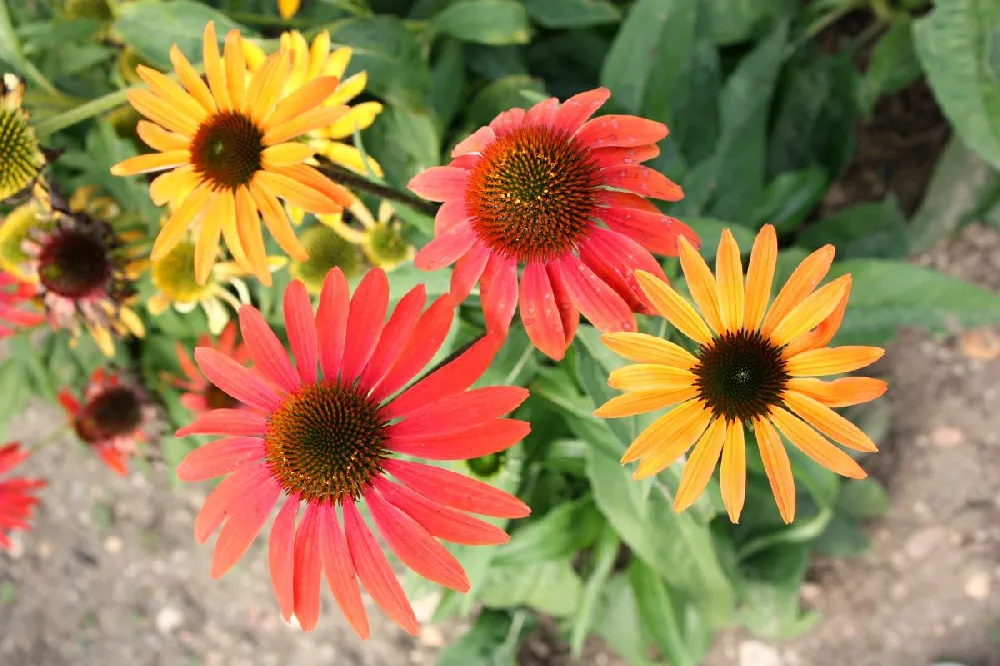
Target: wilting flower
column 17, row 495
column 84, row 273
column 327, row 250
column 200, row 395
column 14, row 295
column 532, row 189
column 21, row 157
column 174, row 278
column 115, row 416
column 229, row 149
column 287, row 8
column 328, row 441
column 754, row 366
column 381, row 239
column 308, row 64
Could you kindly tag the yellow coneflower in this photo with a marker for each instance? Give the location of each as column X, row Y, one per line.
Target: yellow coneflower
column 754, row 366
column 21, row 157
column 308, row 64
column 381, row 239
column 230, row 151
column 14, row 230
column 327, row 250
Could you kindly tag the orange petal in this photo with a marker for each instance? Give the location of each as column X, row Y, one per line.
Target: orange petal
column 265, row 86
column 815, row 446
column 168, row 90
column 275, row 219
column 733, row 472
column 672, row 305
column 213, row 67
column 777, row 467
column 640, row 402
column 176, row 227
column 150, row 162
column 297, row 193
column 313, row 119
column 236, row 69
column 810, row 312
column 700, row 465
column 831, row 360
column 829, row 422
column 803, row 280
column 248, row 227
column 644, row 348
column 173, row 185
column 664, row 430
column 729, row 281
column 658, row 458
column 650, row 377
column 842, row 392
column 160, row 112
column 310, row 177
column 231, row 235
column 160, row 139
column 822, row 334
column 206, row 247
column 191, row 80
column 310, row 96
column 760, row 274
column 701, row 283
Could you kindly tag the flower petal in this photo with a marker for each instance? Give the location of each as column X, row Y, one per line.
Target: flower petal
column 642, row 180
column 568, row 312
column 733, row 472
column 445, row 249
column 674, row 308
column 339, row 570
column 480, row 440
column 440, row 521
column 609, row 157
column 777, row 467
column 301, row 328
column 815, row 445
column 150, row 162
column 700, row 464
column 440, row 183
column 475, row 142
column 449, row 215
column 842, row 392
column 306, row 577
column 803, row 280
column 498, row 292
column 832, row 361
column 702, row 285
column 575, row 111
column 397, row 331
column 236, row 380
column 243, row 524
column 220, row 457
column 729, row 281
column 456, row 490
column 228, row 495
column 539, row 312
column 682, row 436
column 828, row 422
column 650, row 377
column 640, row 220
column 614, row 258
column 597, row 301
column 811, row 311
column 760, row 273
column 663, row 431
column 644, row 348
column 364, row 323
column 620, row 130
column 233, row 422
column 266, row 351
column 331, row 322
column 468, row 270
column 640, row 402
column 281, row 556
column 824, row 331
column 458, row 412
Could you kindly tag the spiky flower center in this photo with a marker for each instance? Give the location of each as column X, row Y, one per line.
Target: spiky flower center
column 533, row 193
column 325, row 442
column 216, row 398
column 174, row 275
column 741, row 375
column 14, row 230
column 386, row 245
column 114, row 412
column 326, row 250
column 74, row 263
column 488, row 466
column 20, row 157
column 226, row 150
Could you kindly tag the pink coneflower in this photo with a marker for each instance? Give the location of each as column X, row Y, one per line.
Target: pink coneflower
column 326, row 441
column 201, row 395
column 17, row 495
column 564, row 197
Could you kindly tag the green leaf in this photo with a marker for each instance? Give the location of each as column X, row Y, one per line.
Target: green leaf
column 151, row 28
column 657, row 614
column 605, row 554
column 13, row 391
column 710, row 233
column 500, row 95
column 735, row 21
column 559, row 533
column 12, row 54
column 416, row 135
column 493, row 22
column 962, row 186
column 408, row 276
column 957, row 45
column 516, row 364
column 876, row 230
column 843, row 537
column 572, row 13
column 548, row 587
column 790, row 197
column 490, row 642
column 770, row 593
column 863, row 498
column 620, row 624
column 448, row 81
column 893, row 64
column 888, row 294
column 633, row 53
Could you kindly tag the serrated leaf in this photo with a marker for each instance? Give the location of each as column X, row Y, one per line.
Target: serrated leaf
column 493, row 22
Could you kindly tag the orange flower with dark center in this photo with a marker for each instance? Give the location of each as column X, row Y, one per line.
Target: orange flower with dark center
column 564, row 196
column 201, row 395
column 13, row 295
column 17, row 495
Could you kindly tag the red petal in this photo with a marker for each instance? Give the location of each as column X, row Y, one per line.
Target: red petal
column 498, row 292
column 539, row 312
column 456, row 490
column 20, row 317
column 440, row 183
column 69, row 402
column 454, row 376
column 414, row 546
column 227, row 340
column 481, row 440
column 449, row 215
column 331, row 322
column 375, row 573
column 610, row 157
column 266, row 351
column 575, row 111
column 616, row 130
column 233, row 490
column 475, row 142
column 281, row 556
column 301, row 330
column 397, row 331
column 468, row 270
column 643, row 180
column 114, row 459
column 243, row 525
column 651, row 229
column 365, row 323
column 458, row 412
column 306, row 578
column 225, row 422
column 508, row 120
column 445, row 249
column 440, row 521
column 11, row 456
column 568, row 312
column 339, row 570
column 614, row 258
column 220, row 457
column 605, row 309
column 236, row 380
column 542, row 113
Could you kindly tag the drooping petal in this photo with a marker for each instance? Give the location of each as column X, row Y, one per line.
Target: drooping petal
column 700, row 465
column 640, row 402
column 339, row 570
column 777, row 467
column 828, row 422
column 234, row 422
column 439, row 520
column 597, row 301
column 815, row 445
column 220, row 457
column 331, row 322
column 440, row 183
column 614, row 258
column 568, row 312
column 281, row 556
column 664, row 429
column 243, row 523
column 451, row 214
column 498, row 292
column 674, row 308
column 306, row 578
column 635, row 217
column 681, row 439
column 645, row 348
column 236, row 380
column 397, row 331
column 268, row 355
column 478, row 441
column 456, row 490
column 364, row 323
column 301, row 327
column 458, row 412
column 832, row 361
column 230, row 493
column 539, row 312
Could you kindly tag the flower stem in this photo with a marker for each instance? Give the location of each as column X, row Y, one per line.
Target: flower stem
column 347, row 178
column 80, row 113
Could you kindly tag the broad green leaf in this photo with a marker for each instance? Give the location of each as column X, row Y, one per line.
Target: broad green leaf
column 770, row 593
column 500, row 95
column 548, row 587
column 448, row 81
column 416, row 135
column 633, row 54
column 13, row 55
column 957, row 43
column 863, row 498
column 491, row 641
column 875, row 230
column 559, row 533
column 888, row 294
column 843, row 537
column 516, row 364
column 572, row 13
column 735, row 21
column 893, row 64
column 620, row 624
column 151, row 28
column 485, row 21
column 657, row 614
column 710, row 233
column 962, row 185
column 13, row 391
column 790, row 197
column 605, row 554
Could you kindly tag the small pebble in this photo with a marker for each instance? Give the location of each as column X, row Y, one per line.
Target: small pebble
column 947, row 437
column 169, row 620
column 755, row 653
column 978, row 585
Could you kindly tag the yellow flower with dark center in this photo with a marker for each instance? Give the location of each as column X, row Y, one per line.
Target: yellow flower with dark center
column 21, row 158
column 173, row 276
column 754, row 367
column 327, row 250
column 308, row 64
column 381, row 239
column 230, row 153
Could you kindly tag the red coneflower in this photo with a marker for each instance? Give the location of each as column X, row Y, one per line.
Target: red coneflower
column 201, row 395
column 113, row 418
column 533, row 188
column 327, row 441
column 14, row 293
column 17, row 495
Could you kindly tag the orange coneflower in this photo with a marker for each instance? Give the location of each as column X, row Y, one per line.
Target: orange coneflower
column 17, row 495
column 201, row 395
column 327, row 443
column 230, row 150
column 533, row 189
column 753, row 367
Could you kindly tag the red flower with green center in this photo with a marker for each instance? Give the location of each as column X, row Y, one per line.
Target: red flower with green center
column 17, row 495
column 201, row 395
column 326, row 442
column 563, row 196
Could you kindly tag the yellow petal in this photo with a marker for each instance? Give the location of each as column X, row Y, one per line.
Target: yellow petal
column 191, row 80
column 253, row 54
column 815, row 446
column 207, row 244
column 275, row 219
column 700, row 465
column 347, row 156
column 318, row 53
column 810, row 312
column 160, row 112
column 803, row 280
column 650, row 377
column 336, row 64
column 358, row 118
column 643, row 348
column 760, row 273
column 701, row 283
column 304, row 122
column 733, row 472
column 132, row 322
column 663, row 431
column 777, row 467
column 248, row 226
column 350, row 88
column 671, row 305
column 313, row 179
column 832, row 361
column 158, row 304
column 823, row 333
column 176, row 227
column 294, row 191
column 166, row 89
column 173, row 186
column 729, row 281
column 236, row 69
column 842, row 392
column 285, row 154
column 160, row 139
column 150, row 162
column 265, row 86
column 287, row 8
column 213, row 67
column 309, row 96
column 640, row 402
column 658, row 459
column 828, row 422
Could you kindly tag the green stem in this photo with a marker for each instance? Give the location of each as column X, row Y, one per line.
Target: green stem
column 250, row 18
column 349, row 179
column 83, row 112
